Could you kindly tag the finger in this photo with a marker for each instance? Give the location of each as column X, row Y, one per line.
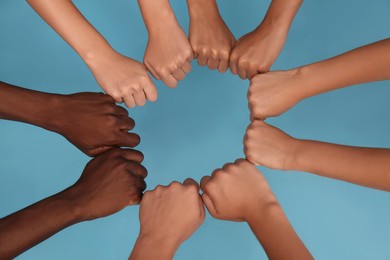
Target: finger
column 223, row 65
column 99, row 150
column 179, row 74
column 132, row 155
column 213, row 63
column 203, row 183
column 152, row 71
column 126, row 139
column 209, row 205
column 214, row 173
column 129, row 101
column 251, row 73
column 137, row 169
column 120, row 111
column 203, row 57
column 233, row 66
column 187, row 67
column 139, row 98
column 191, row 182
column 126, row 123
column 150, row 90
column 170, row 81
column 242, row 72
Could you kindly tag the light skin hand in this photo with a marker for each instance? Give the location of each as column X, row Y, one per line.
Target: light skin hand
column 90, row 121
column 239, row 192
column 268, row 146
column 210, row 38
column 123, row 78
column 109, row 183
column 168, row 53
column 169, row 215
column 256, row 51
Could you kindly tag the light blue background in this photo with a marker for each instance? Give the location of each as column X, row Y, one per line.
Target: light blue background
column 198, row 127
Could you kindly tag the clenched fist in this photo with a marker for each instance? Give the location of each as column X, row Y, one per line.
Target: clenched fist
column 268, row 146
column 210, row 38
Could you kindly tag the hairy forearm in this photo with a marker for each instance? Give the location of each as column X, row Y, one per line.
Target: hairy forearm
column 163, row 249
column 30, row 226
column 28, row 106
column 368, row 167
column 281, row 13
column 365, row 64
column 70, row 24
column 276, row 235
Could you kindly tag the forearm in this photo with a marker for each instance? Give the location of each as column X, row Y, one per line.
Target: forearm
column 276, row 234
column 163, row 249
column 281, row 14
column 28, row 106
column 70, row 24
column 368, row 167
column 158, row 15
column 200, row 8
column 365, row 64
column 24, row 229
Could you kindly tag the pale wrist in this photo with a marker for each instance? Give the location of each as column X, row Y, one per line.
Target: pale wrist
column 163, row 247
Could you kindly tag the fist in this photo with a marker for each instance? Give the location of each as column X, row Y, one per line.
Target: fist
column 273, row 93
column 172, row 213
column 236, row 192
column 109, row 183
column 268, row 146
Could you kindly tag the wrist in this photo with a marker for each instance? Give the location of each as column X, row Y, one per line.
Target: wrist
column 200, row 9
column 263, row 215
column 68, row 200
column 281, row 13
column 163, row 247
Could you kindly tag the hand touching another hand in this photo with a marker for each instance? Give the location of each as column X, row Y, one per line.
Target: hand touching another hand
column 268, row 146
column 109, row 183
column 124, row 79
column 93, row 123
column 273, row 93
column 210, row 38
column 168, row 216
column 168, row 53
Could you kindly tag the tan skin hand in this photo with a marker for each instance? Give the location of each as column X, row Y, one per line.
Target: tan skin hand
column 109, row 183
column 256, row 51
column 268, row 146
column 93, row 123
column 236, row 191
column 210, row 38
column 123, row 78
column 169, row 215
column 168, row 53
column 273, row 93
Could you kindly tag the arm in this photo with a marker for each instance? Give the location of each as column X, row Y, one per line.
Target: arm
column 210, row 38
column 121, row 77
column 108, row 184
column 168, row 53
column 90, row 121
column 239, row 192
column 256, row 51
column 269, row 146
column 273, row 93
column 180, row 212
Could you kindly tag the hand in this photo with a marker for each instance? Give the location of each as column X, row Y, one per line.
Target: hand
column 93, row 123
column 256, row 51
column 124, row 79
column 269, row 146
column 168, row 216
column 109, row 183
column 168, row 53
column 237, row 192
column 273, row 93
column 210, row 38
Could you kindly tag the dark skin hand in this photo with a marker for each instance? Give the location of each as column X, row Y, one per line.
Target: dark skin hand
column 109, row 183
column 90, row 121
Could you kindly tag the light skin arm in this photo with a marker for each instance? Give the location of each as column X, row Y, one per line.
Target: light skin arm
column 271, row 147
column 256, row 51
column 239, row 192
column 125, row 79
column 168, row 54
column 273, row 93
column 210, row 38
column 168, row 216
column 109, row 183
column 90, row 121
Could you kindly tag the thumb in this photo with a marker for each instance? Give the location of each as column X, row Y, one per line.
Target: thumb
column 209, row 205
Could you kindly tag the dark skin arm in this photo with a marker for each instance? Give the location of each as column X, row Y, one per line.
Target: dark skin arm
column 90, row 121
column 109, row 183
